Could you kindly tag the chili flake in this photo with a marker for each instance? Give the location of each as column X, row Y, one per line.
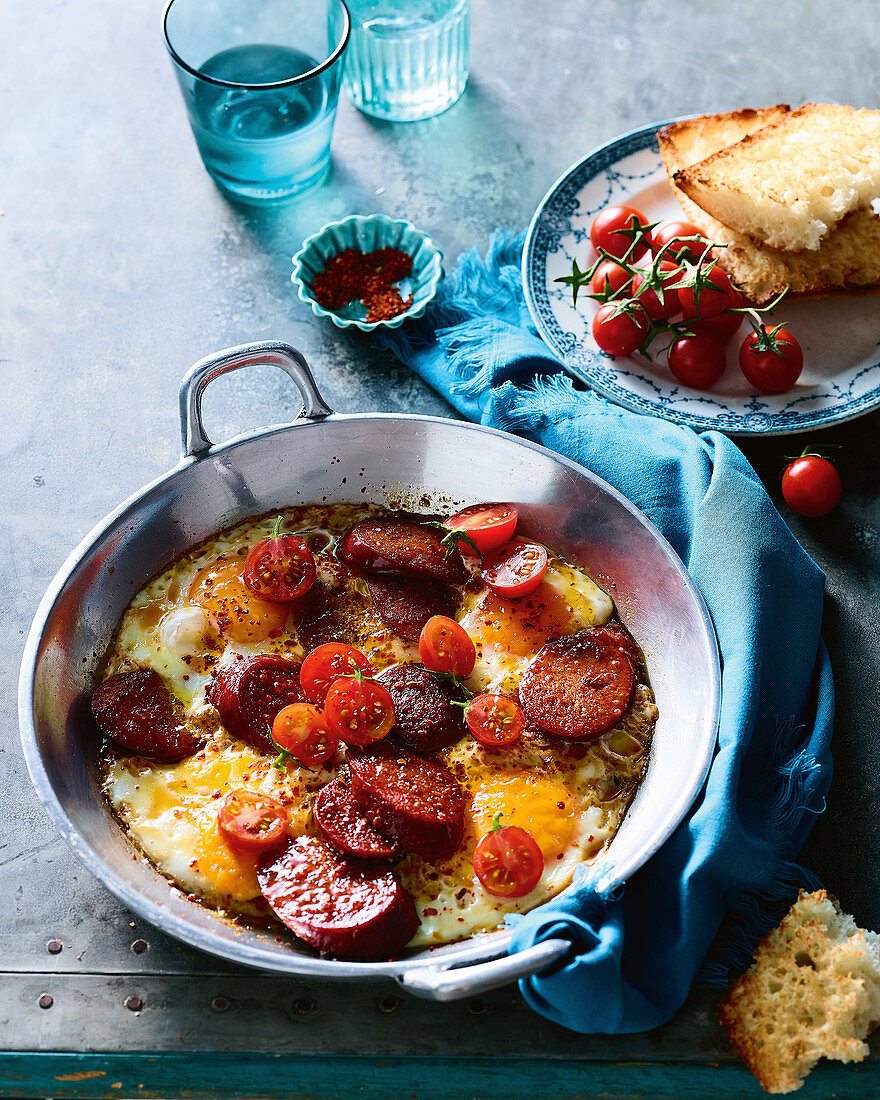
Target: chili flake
column 367, row 276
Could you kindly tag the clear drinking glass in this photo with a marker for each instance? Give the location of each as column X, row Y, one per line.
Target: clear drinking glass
column 408, row 59
column 260, row 80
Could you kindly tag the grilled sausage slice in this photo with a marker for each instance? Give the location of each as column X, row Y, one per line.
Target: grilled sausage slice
column 411, row 799
column 351, row 911
column 343, row 825
column 425, row 718
column 249, row 692
column 580, row 685
column 401, row 547
column 135, row 710
column 405, row 604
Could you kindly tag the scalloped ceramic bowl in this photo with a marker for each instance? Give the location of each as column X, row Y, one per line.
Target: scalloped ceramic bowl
column 367, row 233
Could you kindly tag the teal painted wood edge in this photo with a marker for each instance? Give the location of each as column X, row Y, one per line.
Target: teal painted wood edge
column 206, row 1076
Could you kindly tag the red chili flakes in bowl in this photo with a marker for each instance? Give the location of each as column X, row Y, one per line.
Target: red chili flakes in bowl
column 366, row 276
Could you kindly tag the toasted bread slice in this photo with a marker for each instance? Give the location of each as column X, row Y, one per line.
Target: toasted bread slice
column 848, row 259
column 789, row 183
column 813, row 992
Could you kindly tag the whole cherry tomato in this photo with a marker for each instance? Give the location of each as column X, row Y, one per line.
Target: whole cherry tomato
column 612, row 229
column 280, row 567
column 617, row 330
column 771, row 359
column 488, row 525
column 667, row 232
column 609, row 277
column 707, row 300
column 697, row 361
column 327, row 663
column 301, row 729
column 495, row 720
column 359, row 712
column 508, row 861
column 252, row 821
column 516, row 569
column 811, row 485
column 445, row 646
column 723, row 326
column 649, row 299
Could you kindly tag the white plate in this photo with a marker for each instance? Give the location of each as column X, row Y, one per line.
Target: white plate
column 840, row 336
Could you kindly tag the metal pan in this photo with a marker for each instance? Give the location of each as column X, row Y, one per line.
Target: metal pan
column 336, row 458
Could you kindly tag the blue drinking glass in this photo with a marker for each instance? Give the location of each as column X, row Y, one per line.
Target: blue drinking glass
column 260, row 80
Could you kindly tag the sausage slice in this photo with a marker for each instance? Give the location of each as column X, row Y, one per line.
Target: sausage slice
column 135, row 710
column 402, row 547
column 352, row 911
column 410, row 799
column 580, row 685
column 329, row 614
column 249, row 693
column 405, row 604
column 425, row 718
column 343, row 825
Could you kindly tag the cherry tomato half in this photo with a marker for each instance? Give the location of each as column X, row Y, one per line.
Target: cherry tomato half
column 359, row 712
column 609, row 277
column 494, row 720
column 508, row 861
column 280, row 567
column 516, row 569
column 811, row 486
column 697, row 361
column 301, row 729
column 712, row 299
column 252, row 821
column 326, row 664
column 611, row 230
column 487, row 524
column 619, row 333
column 667, row 232
column 445, row 646
column 771, row 371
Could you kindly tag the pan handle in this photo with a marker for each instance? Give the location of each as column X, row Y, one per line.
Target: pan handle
column 271, row 353
column 437, row 983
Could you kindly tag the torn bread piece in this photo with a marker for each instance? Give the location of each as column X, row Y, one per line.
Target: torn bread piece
column 847, row 260
column 813, row 992
column 789, row 183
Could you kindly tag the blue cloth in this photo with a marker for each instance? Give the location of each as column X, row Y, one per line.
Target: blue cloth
column 726, row 875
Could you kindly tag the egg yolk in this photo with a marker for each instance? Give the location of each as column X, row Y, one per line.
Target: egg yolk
column 231, row 873
column 233, row 609
column 541, row 807
column 519, row 627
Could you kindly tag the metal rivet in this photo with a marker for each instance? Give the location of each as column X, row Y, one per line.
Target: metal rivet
column 133, row 1004
column 387, row 1004
column 139, row 947
column 54, row 946
column 304, row 1006
column 476, row 1007
column 220, row 1004
column 45, row 1001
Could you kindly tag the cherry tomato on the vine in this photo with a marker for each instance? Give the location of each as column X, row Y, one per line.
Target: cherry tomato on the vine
column 280, row 567
column 697, row 361
column 609, row 276
column 668, row 232
column 494, row 720
column 619, row 332
column 252, row 821
column 709, row 299
column 811, row 486
column 649, row 299
column 326, row 664
column 445, row 646
column 488, row 525
column 516, row 569
column 508, row 861
column 359, row 712
column 768, row 370
column 301, row 729
column 612, row 228
column 723, row 326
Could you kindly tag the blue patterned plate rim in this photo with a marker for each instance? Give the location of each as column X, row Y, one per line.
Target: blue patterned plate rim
column 598, row 371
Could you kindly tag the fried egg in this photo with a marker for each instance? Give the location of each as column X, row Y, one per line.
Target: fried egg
column 198, row 613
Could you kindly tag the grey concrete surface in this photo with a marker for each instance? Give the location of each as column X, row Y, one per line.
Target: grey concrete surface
column 121, row 264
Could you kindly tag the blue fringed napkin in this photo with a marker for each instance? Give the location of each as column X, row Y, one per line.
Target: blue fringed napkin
column 726, row 875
